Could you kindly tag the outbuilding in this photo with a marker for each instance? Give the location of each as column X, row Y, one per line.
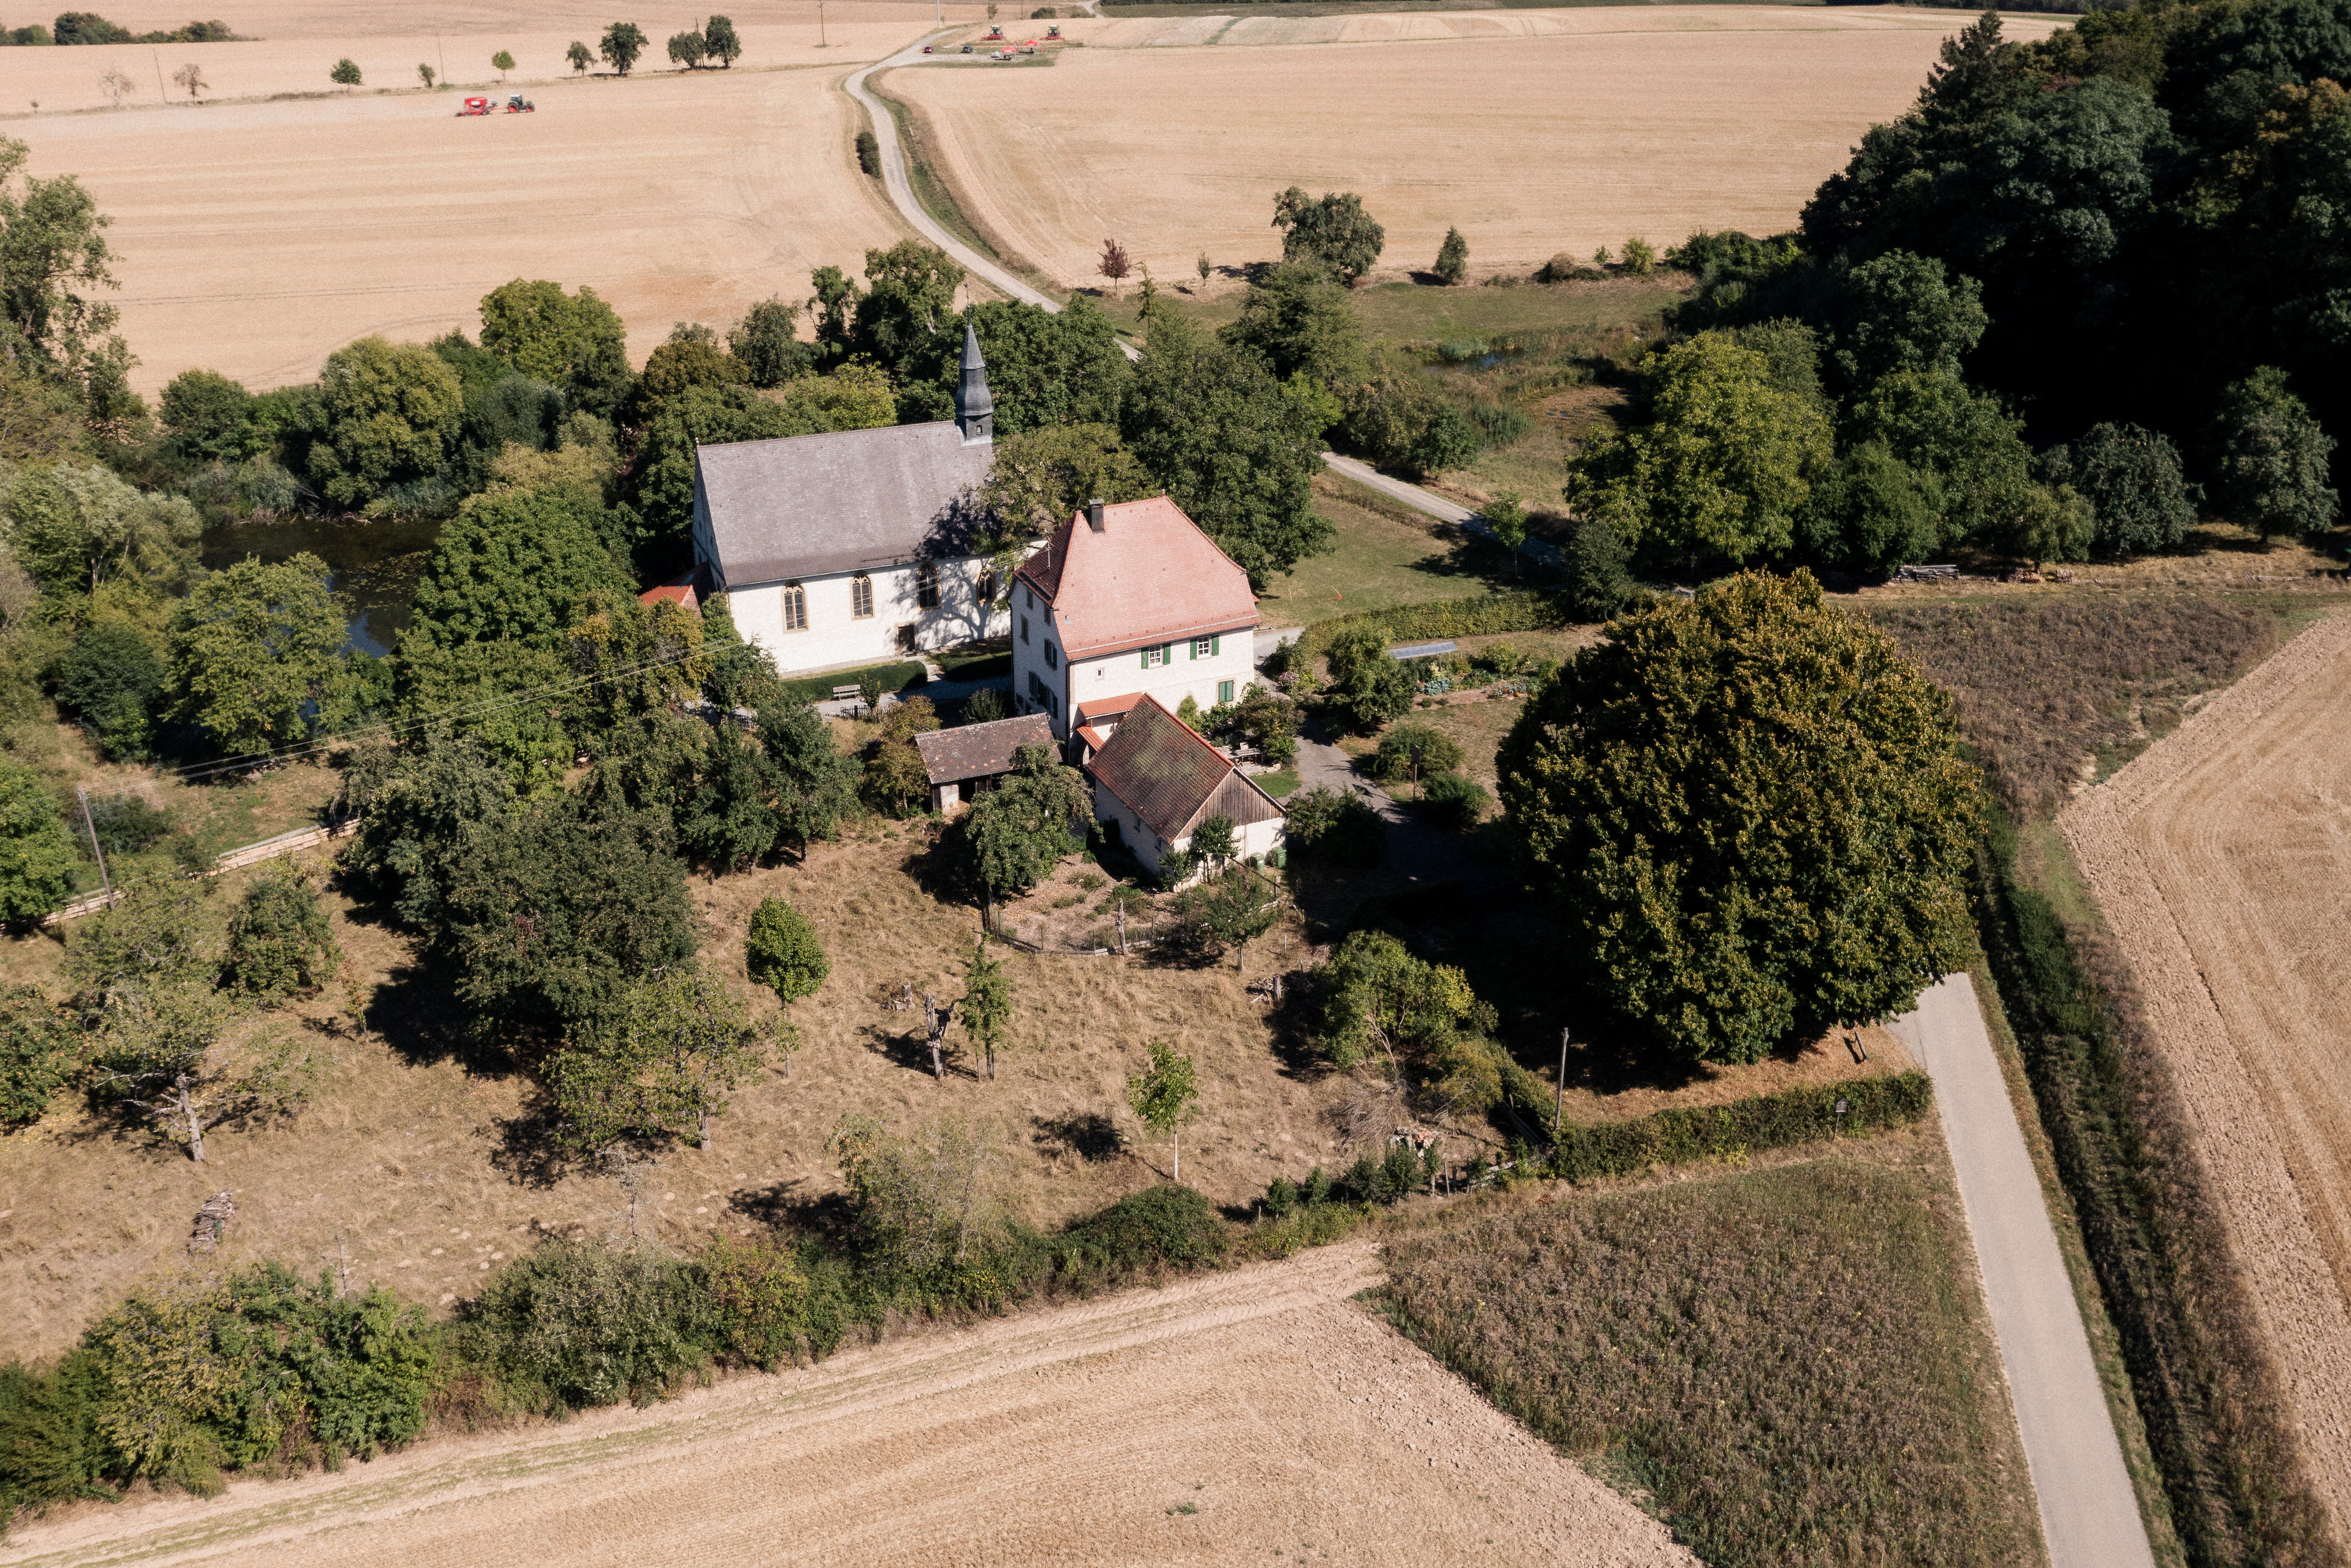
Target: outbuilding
column 967, row 761
column 1157, row 779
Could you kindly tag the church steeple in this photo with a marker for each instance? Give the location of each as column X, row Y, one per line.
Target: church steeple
column 974, row 410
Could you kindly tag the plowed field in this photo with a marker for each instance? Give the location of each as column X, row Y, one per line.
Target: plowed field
column 1533, row 132
column 2222, row 858
column 1257, row 1416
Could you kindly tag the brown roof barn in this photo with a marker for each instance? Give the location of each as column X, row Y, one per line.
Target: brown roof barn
column 1172, row 779
column 966, row 759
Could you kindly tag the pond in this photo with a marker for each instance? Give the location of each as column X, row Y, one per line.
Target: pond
column 376, row 564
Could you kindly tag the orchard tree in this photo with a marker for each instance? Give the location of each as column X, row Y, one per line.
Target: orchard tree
column 661, row 1061
column 579, row 55
column 37, row 1053
column 164, row 1057
column 426, row 75
column 687, row 49
column 719, row 38
column 38, row 856
column 346, row 74
column 191, row 77
column 1163, row 1096
column 781, row 951
column 1453, row 258
column 1334, row 231
column 987, row 1001
column 1752, row 813
column 502, row 62
column 1014, row 834
column 622, row 43
column 280, row 941
column 257, row 653
column 2272, row 473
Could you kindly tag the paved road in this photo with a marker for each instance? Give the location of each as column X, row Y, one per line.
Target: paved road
column 2089, row 1515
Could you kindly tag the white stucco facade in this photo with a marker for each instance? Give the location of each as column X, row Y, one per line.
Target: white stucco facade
column 1209, row 670
column 835, row 630
column 1256, row 839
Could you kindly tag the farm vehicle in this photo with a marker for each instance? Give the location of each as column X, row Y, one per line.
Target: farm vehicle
column 515, row 104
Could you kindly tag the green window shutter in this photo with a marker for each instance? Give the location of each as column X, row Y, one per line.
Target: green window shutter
column 1224, row 691
column 1146, row 656
column 1216, row 647
column 1192, row 647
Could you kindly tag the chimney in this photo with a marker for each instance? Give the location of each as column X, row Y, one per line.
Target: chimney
column 974, row 410
column 1094, row 514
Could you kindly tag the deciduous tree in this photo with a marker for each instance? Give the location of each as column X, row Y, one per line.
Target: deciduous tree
column 622, row 44
column 1163, row 1096
column 346, row 74
column 502, row 62
column 191, row 77
column 1115, row 263
column 37, row 1052
column 1014, row 834
column 2271, row 470
column 517, row 569
column 37, row 852
column 687, row 49
column 1453, row 258
column 257, row 653
column 392, row 414
column 580, row 56
column 575, row 341
column 2132, row 479
column 660, row 1061
column 1367, row 687
column 1753, row 812
column 1041, row 479
column 280, row 941
column 1333, row 232
column 767, row 343
column 780, row 951
column 165, row 1057
column 987, row 1001
column 719, row 38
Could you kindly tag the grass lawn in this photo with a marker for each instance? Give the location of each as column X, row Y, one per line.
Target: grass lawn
column 1787, row 1365
column 1277, row 785
column 981, row 661
column 1382, row 561
column 1416, row 312
column 818, row 688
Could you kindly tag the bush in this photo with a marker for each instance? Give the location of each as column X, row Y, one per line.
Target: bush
column 1802, row 1115
column 1340, row 828
column 1146, row 1230
column 985, row 706
column 765, row 1311
column 1368, row 686
column 37, row 854
column 1453, row 800
column 782, row 951
column 279, row 940
column 869, row 154
column 1414, row 751
column 37, row 1053
column 580, row 1323
column 127, row 824
column 109, row 684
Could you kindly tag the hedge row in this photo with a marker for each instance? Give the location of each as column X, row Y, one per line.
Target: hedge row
column 1765, row 1121
column 894, row 677
column 1476, row 616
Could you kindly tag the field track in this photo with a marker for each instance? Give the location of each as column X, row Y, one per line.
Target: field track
column 1283, row 1416
column 2222, row 858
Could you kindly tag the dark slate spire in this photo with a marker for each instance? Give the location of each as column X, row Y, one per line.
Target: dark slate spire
column 974, row 410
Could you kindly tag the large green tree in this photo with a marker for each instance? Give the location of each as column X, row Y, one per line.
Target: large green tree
column 1041, row 478
column 392, row 412
column 1301, row 322
column 1724, row 467
column 1044, row 368
column 257, row 653
column 1333, row 232
column 575, row 341
column 2271, row 471
column 1752, row 813
column 622, row 44
column 1016, row 833
column 661, row 1061
column 1235, row 448
column 53, row 263
column 513, row 569
column 905, row 322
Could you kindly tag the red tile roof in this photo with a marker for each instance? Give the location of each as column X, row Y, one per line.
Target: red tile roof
column 1172, row 779
column 674, row 592
column 1150, row 576
column 1100, row 708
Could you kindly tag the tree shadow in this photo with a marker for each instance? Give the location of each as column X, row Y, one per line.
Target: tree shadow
column 792, row 1206
column 417, row 1014
column 910, row 1049
column 1089, row 1136
column 530, row 1151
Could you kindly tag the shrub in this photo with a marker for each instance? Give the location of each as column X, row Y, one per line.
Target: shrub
column 1453, row 258
column 36, row 852
column 1469, row 617
column 985, row 706
column 1158, row 1226
column 127, row 824
column 1415, row 751
column 782, row 951
column 1640, row 256
column 1340, row 828
column 37, row 1053
column 1453, row 800
column 765, row 1310
column 280, row 941
column 577, row 1324
column 109, row 684
column 1368, row 688
column 869, row 154
column 1802, row 1115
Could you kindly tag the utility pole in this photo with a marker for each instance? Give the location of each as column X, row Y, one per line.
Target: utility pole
column 104, row 881
column 819, row 25
column 444, row 53
column 1559, row 1099
column 160, row 91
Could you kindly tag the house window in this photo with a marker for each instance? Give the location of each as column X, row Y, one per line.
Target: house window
column 860, row 597
column 795, row 607
column 1042, row 694
column 926, row 585
column 1200, row 647
column 1154, row 657
column 1024, row 628
column 1052, row 657
column 987, row 585
column 1224, row 692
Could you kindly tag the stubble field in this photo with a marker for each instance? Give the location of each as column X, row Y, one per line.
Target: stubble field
column 2221, row 860
column 1533, row 132
column 255, row 234
column 1254, row 1416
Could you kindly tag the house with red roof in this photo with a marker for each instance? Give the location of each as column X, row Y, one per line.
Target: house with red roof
column 1157, row 779
column 1125, row 602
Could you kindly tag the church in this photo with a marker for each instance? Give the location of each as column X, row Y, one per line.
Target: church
column 855, row 546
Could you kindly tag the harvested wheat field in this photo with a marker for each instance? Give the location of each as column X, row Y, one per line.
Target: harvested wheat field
column 2221, row 859
column 1534, row 132
column 255, row 236
column 1234, row 1416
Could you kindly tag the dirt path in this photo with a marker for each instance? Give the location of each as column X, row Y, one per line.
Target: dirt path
column 2089, row 1515
column 1280, row 1413
column 2222, row 860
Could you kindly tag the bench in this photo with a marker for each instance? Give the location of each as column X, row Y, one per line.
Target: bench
column 846, row 694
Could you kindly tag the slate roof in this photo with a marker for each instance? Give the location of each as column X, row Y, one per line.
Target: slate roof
column 981, row 751
column 802, row 506
column 1150, row 576
column 1172, row 779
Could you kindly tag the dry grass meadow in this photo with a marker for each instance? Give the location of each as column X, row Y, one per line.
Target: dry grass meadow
column 258, row 233
column 2220, row 862
column 1533, row 132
